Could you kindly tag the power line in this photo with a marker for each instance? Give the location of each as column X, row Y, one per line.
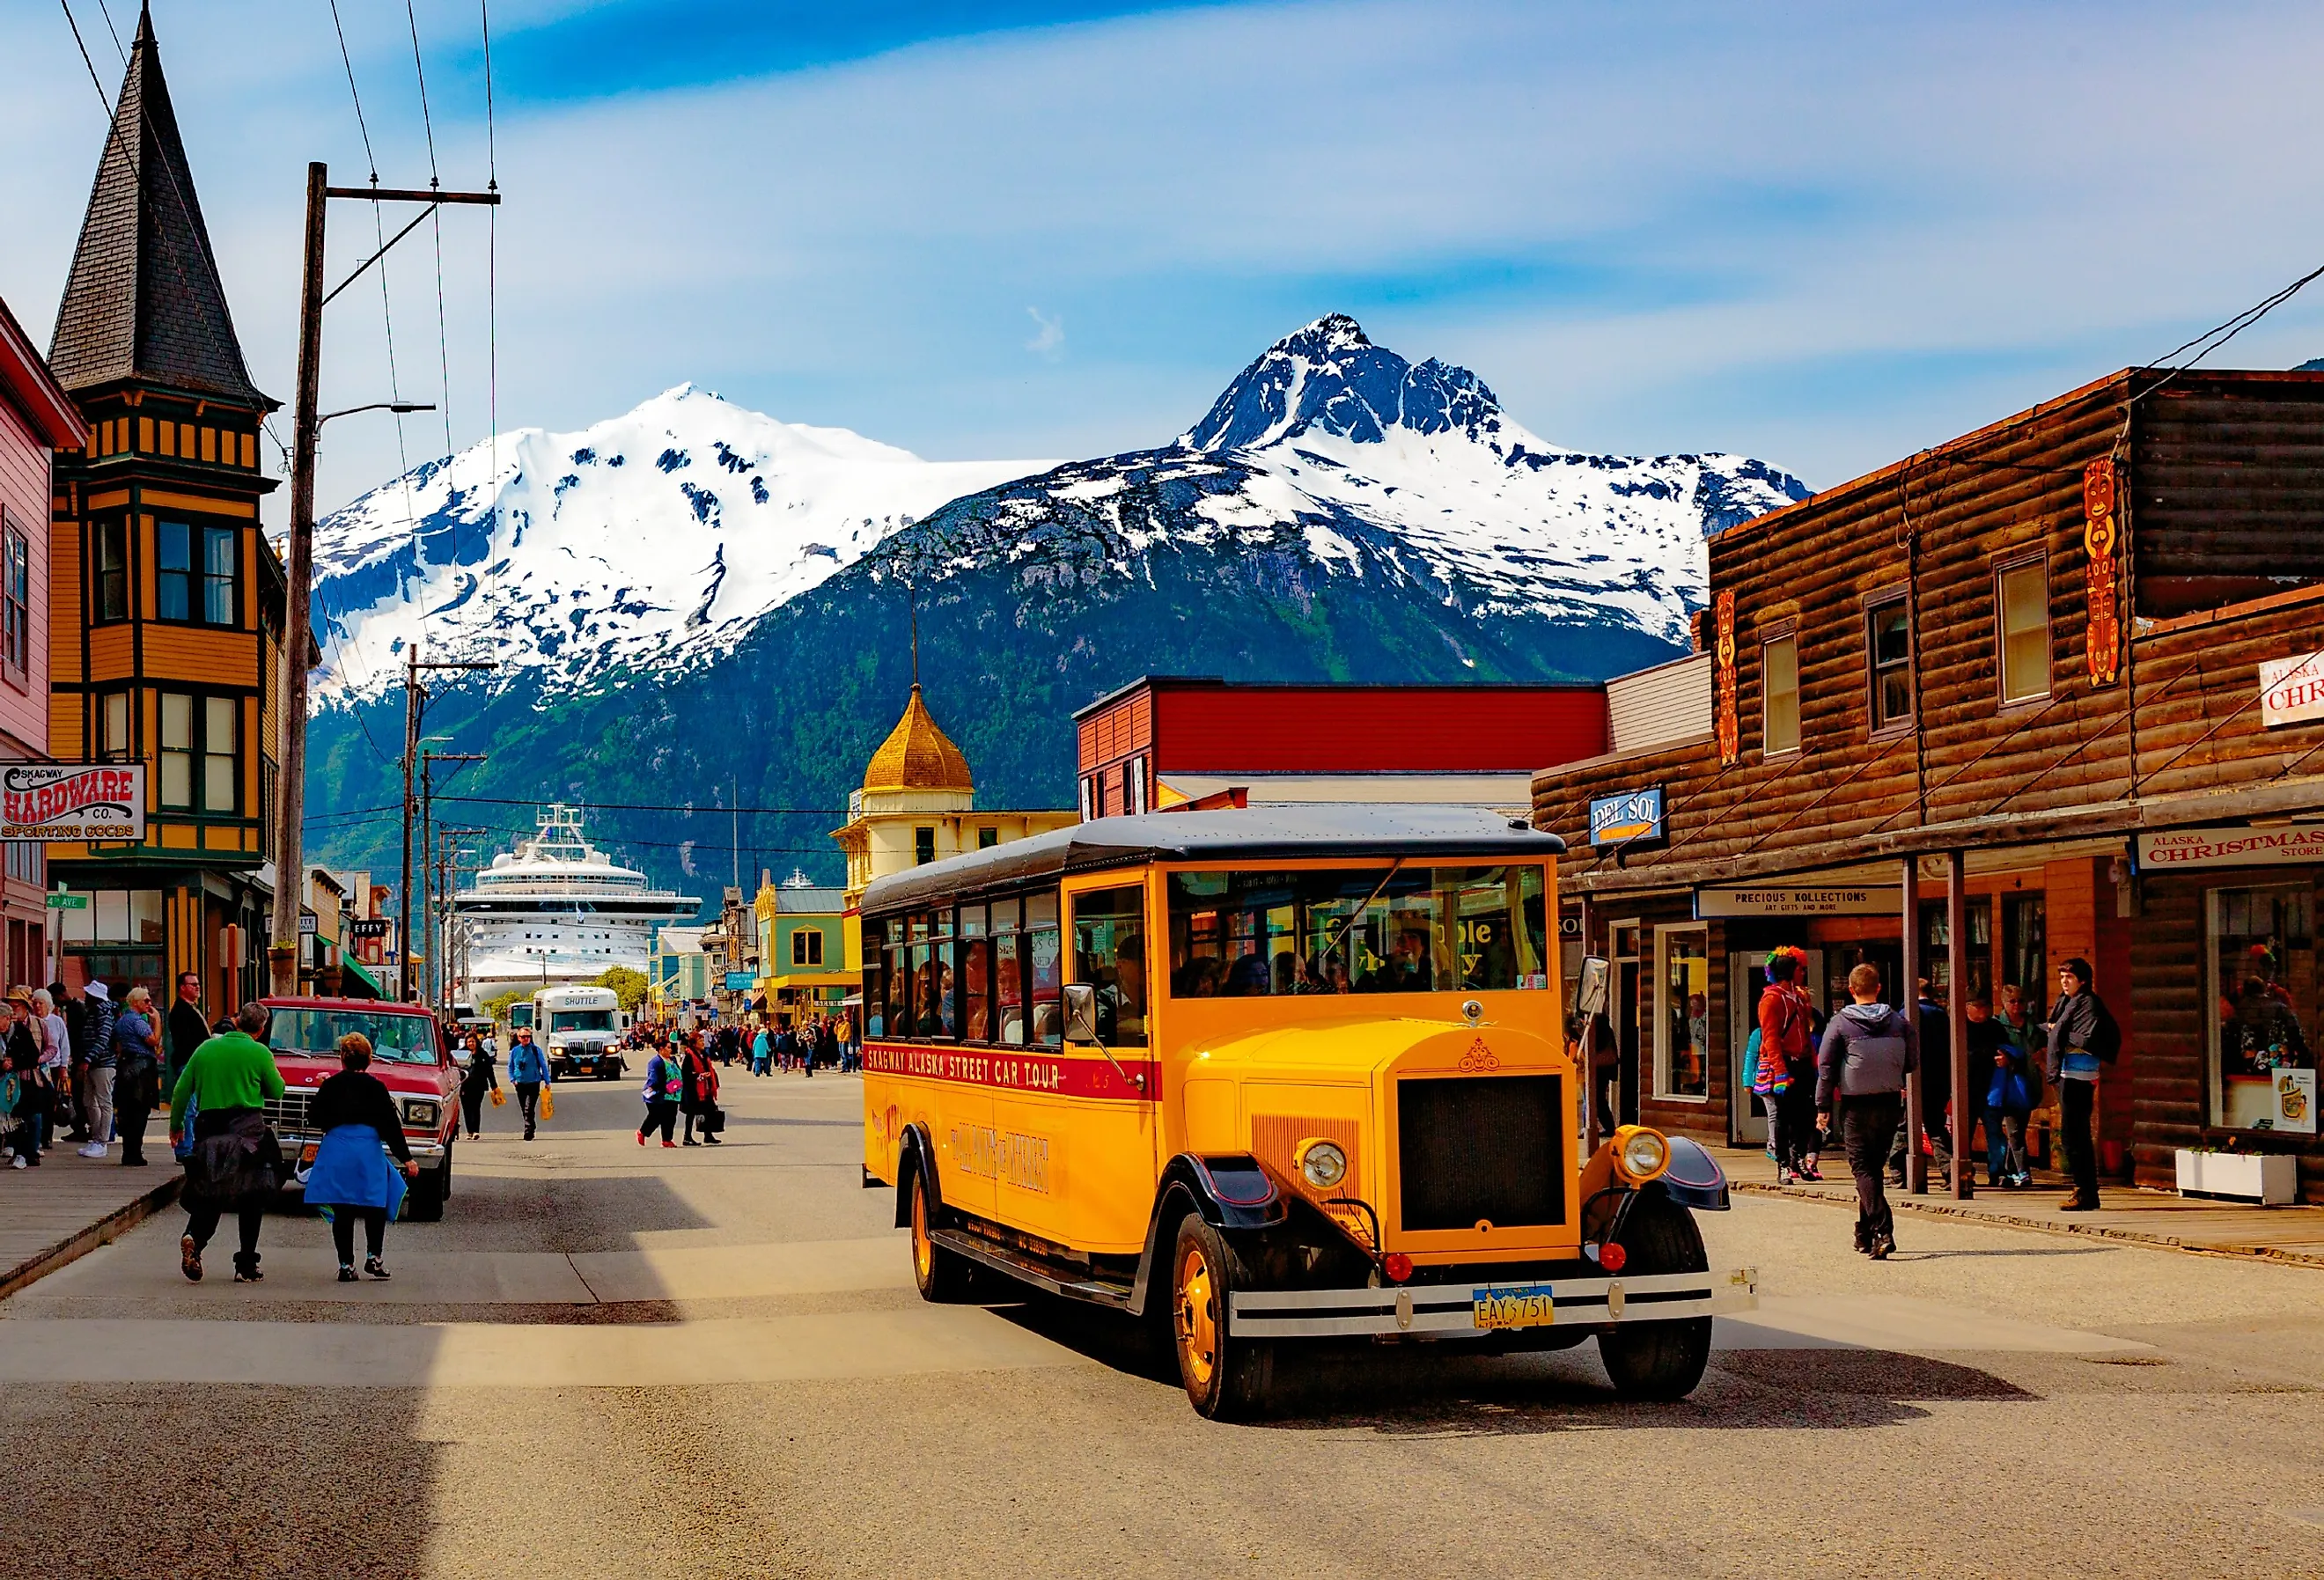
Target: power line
column 2218, row 334
column 655, row 806
column 347, row 61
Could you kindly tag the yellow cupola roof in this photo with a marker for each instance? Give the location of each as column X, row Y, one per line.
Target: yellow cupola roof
column 917, row 756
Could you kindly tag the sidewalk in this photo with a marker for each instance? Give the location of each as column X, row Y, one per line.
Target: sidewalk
column 70, row 1205
column 2150, row 1217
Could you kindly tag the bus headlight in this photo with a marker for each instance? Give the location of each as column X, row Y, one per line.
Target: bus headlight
column 1641, row 1154
column 1322, row 1164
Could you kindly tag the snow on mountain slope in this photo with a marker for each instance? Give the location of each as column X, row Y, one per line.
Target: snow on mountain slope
column 659, row 536
column 1406, row 470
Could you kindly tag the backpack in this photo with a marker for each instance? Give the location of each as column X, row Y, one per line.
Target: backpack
column 2105, row 1037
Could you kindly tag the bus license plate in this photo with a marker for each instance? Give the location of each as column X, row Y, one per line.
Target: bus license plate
column 1513, row 1306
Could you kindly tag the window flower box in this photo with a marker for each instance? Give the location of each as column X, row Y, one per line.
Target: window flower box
column 2269, row 1178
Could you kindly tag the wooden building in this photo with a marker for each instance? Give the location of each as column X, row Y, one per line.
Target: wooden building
column 1166, row 741
column 168, row 600
column 2065, row 664
column 37, row 419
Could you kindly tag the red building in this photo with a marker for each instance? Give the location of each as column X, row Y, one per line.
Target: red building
column 37, row 419
column 1168, row 741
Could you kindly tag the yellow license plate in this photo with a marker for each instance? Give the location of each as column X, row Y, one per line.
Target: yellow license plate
column 1514, row 1305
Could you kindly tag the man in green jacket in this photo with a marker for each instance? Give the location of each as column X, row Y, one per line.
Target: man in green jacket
column 237, row 1160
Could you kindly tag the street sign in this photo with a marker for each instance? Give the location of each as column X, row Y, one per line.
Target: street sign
column 60, row 901
column 73, row 800
column 740, row 982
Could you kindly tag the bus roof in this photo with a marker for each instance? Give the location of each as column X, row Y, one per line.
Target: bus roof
column 1345, row 830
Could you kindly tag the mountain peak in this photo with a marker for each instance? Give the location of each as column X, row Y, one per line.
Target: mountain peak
column 1330, row 377
column 1333, row 332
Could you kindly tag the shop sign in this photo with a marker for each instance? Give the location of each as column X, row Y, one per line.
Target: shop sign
column 2291, row 690
column 1626, row 817
column 73, row 800
column 740, row 982
column 1834, row 899
column 368, row 928
column 2183, row 848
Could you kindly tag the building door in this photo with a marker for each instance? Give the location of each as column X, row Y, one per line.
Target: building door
column 1747, row 978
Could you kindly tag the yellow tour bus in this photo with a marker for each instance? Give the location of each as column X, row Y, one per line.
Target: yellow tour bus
column 1268, row 1075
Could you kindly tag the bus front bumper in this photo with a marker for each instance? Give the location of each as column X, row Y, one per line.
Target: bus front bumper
column 1456, row 1311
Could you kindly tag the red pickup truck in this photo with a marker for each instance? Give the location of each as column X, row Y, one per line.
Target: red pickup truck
column 408, row 1052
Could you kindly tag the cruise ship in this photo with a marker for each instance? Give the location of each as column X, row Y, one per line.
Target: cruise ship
column 554, row 910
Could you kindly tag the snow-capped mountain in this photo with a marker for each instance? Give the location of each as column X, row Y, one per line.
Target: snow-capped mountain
column 663, row 538
column 1376, row 466
column 658, row 537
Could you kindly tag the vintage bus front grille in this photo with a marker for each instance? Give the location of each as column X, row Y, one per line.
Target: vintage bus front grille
column 1489, row 1148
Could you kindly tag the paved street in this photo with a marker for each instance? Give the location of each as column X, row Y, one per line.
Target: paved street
column 711, row 1361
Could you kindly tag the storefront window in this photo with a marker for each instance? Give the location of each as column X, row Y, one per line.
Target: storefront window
column 2263, row 981
column 1683, row 1022
column 2025, row 948
column 1937, row 946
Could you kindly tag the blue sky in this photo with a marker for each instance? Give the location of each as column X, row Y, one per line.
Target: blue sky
column 1825, row 234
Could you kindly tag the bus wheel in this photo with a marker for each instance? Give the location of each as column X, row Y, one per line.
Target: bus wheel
column 941, row 1275
column 1227, row 1378
column 1660, row 1360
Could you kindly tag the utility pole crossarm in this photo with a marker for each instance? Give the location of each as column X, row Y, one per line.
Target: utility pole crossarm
column 411, row 195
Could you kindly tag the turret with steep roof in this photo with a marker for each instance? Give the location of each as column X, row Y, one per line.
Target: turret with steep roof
column 918, row 755
column 167, row 600
column 144, row 302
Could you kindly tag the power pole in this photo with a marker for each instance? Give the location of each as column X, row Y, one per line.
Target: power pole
column 415, row 700
column 431, row 885
column 403, row 889
column 299, row 568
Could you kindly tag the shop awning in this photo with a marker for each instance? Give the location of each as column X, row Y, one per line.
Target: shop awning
column 356, row 976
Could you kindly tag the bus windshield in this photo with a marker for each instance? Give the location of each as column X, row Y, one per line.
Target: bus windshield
column 580, row 1020
column 316, row 1033
column 1357, row 930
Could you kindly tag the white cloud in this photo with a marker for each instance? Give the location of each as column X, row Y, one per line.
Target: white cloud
column 1052, row 335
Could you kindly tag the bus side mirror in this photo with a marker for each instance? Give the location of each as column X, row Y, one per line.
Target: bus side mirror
column 1080, row 1012
column 1590, row 993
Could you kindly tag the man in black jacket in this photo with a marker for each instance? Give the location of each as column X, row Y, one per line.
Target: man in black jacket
column 188, row 1028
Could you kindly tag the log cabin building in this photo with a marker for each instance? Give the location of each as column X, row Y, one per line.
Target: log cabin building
column 168, row 600
column 2050, row 689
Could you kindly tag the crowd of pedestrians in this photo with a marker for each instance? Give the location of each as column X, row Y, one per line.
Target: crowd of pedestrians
column 1840, row 1083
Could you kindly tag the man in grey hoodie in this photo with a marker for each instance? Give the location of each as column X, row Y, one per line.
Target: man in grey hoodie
column 1860, row 1069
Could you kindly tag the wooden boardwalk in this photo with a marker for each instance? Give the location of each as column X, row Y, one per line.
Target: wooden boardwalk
column 2150, row 1217
column 70, row 1205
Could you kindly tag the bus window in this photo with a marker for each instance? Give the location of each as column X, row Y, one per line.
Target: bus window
column 875, row 978
column 1007, row 971
column 1110, row 952
column 1412, row 929
column 1040, row 963
column 975, row 954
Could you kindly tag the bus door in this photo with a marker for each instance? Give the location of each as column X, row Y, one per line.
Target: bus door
column 1101, row 1125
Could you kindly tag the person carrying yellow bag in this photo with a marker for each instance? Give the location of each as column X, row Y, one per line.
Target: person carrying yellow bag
column 477, row 1078
column 528, row 1073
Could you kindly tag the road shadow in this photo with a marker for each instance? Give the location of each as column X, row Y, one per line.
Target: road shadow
column 1411, row 1391
column 2009, row 1251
